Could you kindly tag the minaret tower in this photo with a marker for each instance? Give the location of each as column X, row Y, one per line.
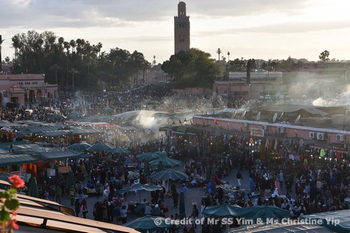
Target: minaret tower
column 182, row 29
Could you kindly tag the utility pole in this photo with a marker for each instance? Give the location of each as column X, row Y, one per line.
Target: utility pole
column 1, row 40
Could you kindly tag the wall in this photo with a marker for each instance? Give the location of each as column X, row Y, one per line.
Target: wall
column 274, row 129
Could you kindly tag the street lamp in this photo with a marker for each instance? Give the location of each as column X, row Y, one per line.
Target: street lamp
column 1, row 40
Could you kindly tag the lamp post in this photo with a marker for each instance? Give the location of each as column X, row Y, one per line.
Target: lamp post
column 1, row 40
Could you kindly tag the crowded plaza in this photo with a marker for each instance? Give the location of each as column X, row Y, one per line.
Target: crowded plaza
column 123, row 169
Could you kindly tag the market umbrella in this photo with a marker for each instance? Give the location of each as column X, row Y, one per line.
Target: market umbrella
column 166, row 161
column 280, row 227
column 223, row 211
column 33, row 188
column 54, row 117
column 70, row 180
column 80, row 146
column 160, row 167
column 74, row 115
column 264, row 213
column 150, row 156
column 182, row 210
column 140, row 187
column 5, row 176
column 169, row 174
column 118, row 151
column 99, row 147
column 146, row 168
column 106, row 110
column 148, row 223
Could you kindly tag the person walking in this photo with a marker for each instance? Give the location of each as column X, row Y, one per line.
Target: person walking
column 84, row 208
column 175, row 198
column 77, row 207
column 124, row 214
column 239, row 178
column 72, row 195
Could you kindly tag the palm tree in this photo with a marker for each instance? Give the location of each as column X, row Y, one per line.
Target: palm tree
column 228, row 56
column 55, row 68
column 73, row 72
column 218, row 52
column 66, row 45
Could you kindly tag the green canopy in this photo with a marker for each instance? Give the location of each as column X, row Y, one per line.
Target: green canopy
column 140, row 187
column 33, row 187
column 169, row 174
column 80, row 146
column 75, row 115
column 264, row 213
column 106, row 110
column 166, row 161
column 160, row 167
column 182, row 209
column 5, row 176
column 54, row 117
column 223, row 211
column 118, row 151
column 279, row 227
column 13, row 159
column 70, row 180
column 341, row 224
column 150, row 156
column 99, row 147
column 148, row 223
column 146, row 168
column 58, row 155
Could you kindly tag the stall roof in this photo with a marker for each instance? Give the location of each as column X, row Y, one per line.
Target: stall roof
column 274, row 228
column 12, row 159
column 58, row 155
column 341, row 225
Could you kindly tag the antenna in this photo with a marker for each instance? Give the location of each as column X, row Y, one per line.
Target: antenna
column 281, row 116
column 243, row 115
column 258, row 116
column 297, row 120
column 234, row 114
column 274, row 117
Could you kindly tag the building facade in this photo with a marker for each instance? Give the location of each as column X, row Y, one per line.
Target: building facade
column 181, row 29
column 25, row 89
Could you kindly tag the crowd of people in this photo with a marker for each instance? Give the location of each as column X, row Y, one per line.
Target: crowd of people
column 302, row 185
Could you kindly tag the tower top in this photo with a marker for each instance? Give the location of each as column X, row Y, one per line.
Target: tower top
column 181, row 7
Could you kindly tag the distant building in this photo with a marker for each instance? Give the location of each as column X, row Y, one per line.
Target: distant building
column 262, row 83
column 25, row 89
column 182, row 29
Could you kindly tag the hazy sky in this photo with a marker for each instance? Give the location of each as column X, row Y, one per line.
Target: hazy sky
column 246, row 28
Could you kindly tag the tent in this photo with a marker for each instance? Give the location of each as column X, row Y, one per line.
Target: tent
column 81, row 146
column 150, row 156
column 140, row 187
column 223, row 211
column 148, row 223
column 264, row 213
column 13, row 159
column 169, row 174
column 278, row 227
column 166, row 161
column 340, row 223
column 99, row 147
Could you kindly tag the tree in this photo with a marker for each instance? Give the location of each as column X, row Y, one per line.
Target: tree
column 218, row 52
column 324, row 56
column 73, row 72
column 192, row 68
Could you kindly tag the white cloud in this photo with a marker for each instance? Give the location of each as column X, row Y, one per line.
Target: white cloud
column 248, row 28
